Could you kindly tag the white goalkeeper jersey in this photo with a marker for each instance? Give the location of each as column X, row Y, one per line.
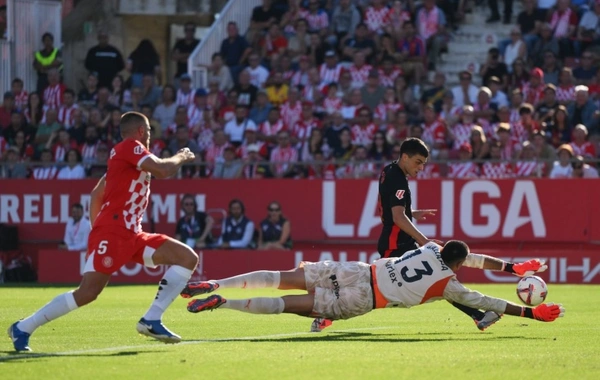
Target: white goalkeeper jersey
column 421, row 276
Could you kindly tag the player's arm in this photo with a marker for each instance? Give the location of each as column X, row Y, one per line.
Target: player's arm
column 458, row 293
column 166, row 167
column 527, row 268
column 406, row 225
column 96, row 199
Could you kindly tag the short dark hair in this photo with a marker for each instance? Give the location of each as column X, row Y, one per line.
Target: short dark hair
column 69, row 91
column 130, row 121
column 47, row 34
column 454, row 251
column 17, row 80
column 412, row 146
column 234, row 201
column 77, row 205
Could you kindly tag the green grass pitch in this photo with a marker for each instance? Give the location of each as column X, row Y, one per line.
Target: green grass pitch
column 431, row 341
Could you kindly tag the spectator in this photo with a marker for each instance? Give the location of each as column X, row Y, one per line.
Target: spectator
column 299, row 42
column 543, row 150
column 358, row 166
column 90, row 146
column 197, row 109
column 380, row 149
column 8, row 107
column 530, row 22
column 466, row 92
column 235, row 128
column 53, row 94
column 218, row 71
column 360, row 42
column 316, row 50
column 291, row 111
column 533, row 91
column 434, row 132
column 194, row 227
column 74, row 169
column 319, row 168
column 493, row 67
column 461, row 132
column 564, row 20
column 388, row 72
column 435, row 94
column 45, row 169
column 562, row 168
column 258, row 74
column 237, row 230
column 345, row 150
column 546, row 42
column 515, row 49
column 344, row 20
column 372, row 93
column 364, row 130
column 498, row 96
column 60, row 143
column 164, row 113
column 565, row 92
column 431, row 23
column 386, row 110
column 273, row 45
column 583, row 111
column 17, row 125
column 546, row 108
column 586, row 71
column 551, row 68
column 301, row 130
column 588, row 33
column 399, row 129
column 21, row 96
column 46, row 129
column 314, row 143
column 77, row 131
column 65, row 111
column 277, row 91
column 77, row 230
column 275, row 230
column 313, row 91
column 318, row 20
column 228, row 168
column 260, row 112
column 263, row 17
column 527, row 166
column 98, row 168
column 182, row 140
column 151, row 93
column 582, row 170
column 234, row 50
column 105, row 60
column 47, row 58
column 183, row 49
column 580, row 145
column 142, row 61
column 118, row 92
column 185, row 93
column 89, row 95
column 268, row 130
column 518, row 76
column 479, row 143
column 465, row 168
column 254, row 167
column 283, row 157
column 558, row 128
column 246, row 91
column 497, row 168
column 13, row 167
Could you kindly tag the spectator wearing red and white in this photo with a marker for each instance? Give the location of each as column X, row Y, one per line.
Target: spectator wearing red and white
column 484, row 110
column 283, row 157
column 364, row 129
column 268, row 130
column 332, row 102
column 412, row 53
column 251, row 139
column 21, row 96
column 527, row 166
column 300, row 77
column 580, row 145
column 90, row 146
column 320, row 168
column 399, row 129
column 375, row 16
column 533, row 91
column 565, row 92
column 583, row 170
column 235, row 129
column 465, row 168
column 388, row 72
column 157, row 146
column 215, row 98
column 359, row 70
column 25, row 149
column 254, row 165
column 466, row 92
column 563, row 20
column 227, row 112
column 291, row 111
column 301, row 130
column 195, row 111
column 431, row 170
column 350, row 109
column 65, row 112
column 510, row 146
column 503, row 117
column 359, row 166
column 286, row 69
column 496, row 168
column 498, row 96
column 53, row 94
column 434, row 131
column 562, row 167
column 461, row 132
column 524, row 129
column 395, row 19
column 214, row 151
column 431, row 23
column 258, row 73
column 313, row 91
column 273, row 44
column 185, row 93
column 372, row 92
column 331, row 70
column 516, row 100
column 314, row 143
column 318, row 21
column 45, row 169
column 59, row 144
column 387, row 109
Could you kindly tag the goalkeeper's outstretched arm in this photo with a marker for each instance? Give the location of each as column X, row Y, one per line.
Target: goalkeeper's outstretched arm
column 527, row 268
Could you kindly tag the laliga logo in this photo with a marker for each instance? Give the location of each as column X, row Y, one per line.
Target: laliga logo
column 559, row 270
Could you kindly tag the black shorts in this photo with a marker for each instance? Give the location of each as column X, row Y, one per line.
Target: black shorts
column 401, row 250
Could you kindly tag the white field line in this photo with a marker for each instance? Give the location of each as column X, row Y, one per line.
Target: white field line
column 188, row 342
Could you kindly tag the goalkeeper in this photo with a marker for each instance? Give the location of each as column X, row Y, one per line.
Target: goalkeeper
column 339, row 290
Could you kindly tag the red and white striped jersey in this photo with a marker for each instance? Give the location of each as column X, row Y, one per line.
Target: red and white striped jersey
column 65, row 115
column 53, row 95
column 214, row 153
column 565, row 94
column 317, row 21
column 308, row 92
column 462, row 134
column 533, row 95
column 434, row 133
column 529, row 168
column 375, row 18
column 303, row 128
column 45, row 172
column 384, row 109
column 242, row 150
column 509, row 150
column 359, row 75
column 330, row 75
column 21, row 100
column 331, row 105
column 269, row 129
column 59, row 151
column 299, row 79
column 88, row 152
column 326, row 172
column 282, row 158
column 464, row 170
column 387, row 80
column 496, row 170
column 587, row 149
column 185, row 99
column 194, row 115
column 358, row 170
column 429, row 171
column 363, row 135
column 520, row 132
column 290, row 114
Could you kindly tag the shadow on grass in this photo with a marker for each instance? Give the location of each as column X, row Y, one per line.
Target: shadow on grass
column 13, row 356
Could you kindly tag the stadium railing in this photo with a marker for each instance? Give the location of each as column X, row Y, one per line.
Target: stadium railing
column 238, row 11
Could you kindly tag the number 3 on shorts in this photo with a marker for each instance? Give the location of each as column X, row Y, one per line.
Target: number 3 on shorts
column 102, row 247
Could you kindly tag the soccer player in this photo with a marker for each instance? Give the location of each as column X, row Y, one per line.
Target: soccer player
column 345, row 290
column 117, row 205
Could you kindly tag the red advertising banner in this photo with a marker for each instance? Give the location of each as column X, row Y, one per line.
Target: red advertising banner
column 575, row 267
column 346, row 210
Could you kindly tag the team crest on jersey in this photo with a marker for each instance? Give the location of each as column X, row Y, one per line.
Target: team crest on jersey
column 400, row 194
column 107, row 261
column 138, row 149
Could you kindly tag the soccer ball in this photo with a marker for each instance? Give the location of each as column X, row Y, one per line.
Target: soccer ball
column 532, row 290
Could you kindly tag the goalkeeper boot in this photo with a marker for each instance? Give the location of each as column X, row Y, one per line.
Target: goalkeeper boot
column 194, row 288
column 489, row 318
column 156, row 330
column 210, row 303
column 19, row 338
column 319, row 324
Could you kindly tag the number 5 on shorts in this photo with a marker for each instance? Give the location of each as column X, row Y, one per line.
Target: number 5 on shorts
column 102, row 247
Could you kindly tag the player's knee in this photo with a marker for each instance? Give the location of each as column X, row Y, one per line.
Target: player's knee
column 189, row 259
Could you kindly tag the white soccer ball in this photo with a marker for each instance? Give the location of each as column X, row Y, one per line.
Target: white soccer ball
column 532, row 290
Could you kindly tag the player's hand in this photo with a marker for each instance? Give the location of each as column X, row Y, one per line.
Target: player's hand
column 530, row 267
column 187, row 154
column 548, row 312
column 422, row 214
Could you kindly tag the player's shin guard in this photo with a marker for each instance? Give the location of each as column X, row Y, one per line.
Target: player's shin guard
column 473, row 313
column 253, row 280
column 260, row 305
column 169, row 288
column 56, row 308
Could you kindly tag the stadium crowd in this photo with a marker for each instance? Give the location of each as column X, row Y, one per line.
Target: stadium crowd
column 328, row 89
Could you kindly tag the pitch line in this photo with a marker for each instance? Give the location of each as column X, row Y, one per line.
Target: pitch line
column 187, row 342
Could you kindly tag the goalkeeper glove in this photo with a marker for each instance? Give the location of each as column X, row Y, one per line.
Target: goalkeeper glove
column 527, row 268
column 546, row 312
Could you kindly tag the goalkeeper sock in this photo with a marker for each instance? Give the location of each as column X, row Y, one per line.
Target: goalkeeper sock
column 172, row 283
column 473, row 313
column 252, row 280
column 56, row 308
column 259, row 305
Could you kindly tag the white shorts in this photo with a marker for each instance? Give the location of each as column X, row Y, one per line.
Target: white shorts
column 342, row 290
